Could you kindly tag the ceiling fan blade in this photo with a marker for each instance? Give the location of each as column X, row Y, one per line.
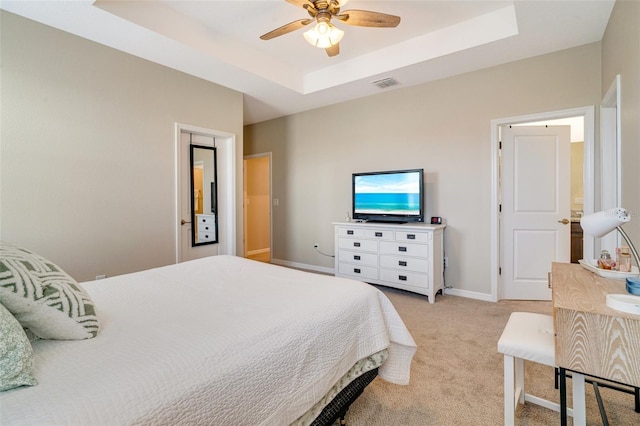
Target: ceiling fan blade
column 300, row 3
column 291, row 26
column 333, row 50
column 366, row 18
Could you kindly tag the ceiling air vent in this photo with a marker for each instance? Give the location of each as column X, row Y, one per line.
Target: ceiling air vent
column 385, row 82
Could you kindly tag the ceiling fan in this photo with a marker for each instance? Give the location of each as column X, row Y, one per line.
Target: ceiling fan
column 324, row 34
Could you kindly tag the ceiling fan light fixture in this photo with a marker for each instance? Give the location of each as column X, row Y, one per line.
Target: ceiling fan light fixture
column 324, row 35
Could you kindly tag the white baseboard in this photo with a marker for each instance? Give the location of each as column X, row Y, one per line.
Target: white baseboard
column 322, row 269
column 306, row 267
column 469, row 294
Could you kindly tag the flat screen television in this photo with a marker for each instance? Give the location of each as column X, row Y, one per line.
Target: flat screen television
column 390, row 196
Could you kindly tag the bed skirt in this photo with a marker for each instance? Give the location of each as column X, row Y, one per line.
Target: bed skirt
column 336, row 402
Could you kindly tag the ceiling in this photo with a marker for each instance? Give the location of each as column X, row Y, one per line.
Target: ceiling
column 219, row 41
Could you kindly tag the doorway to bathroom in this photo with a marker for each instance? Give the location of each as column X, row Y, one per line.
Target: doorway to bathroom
column 257, row 207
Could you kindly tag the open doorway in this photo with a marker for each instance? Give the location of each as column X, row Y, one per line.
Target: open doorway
column 257, row 207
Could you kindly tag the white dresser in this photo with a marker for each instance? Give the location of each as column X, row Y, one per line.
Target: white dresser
column 205, row 228
column 407, row 256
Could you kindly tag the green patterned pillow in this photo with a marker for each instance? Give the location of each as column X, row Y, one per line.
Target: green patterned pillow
column 43, row 298
column 16, row 355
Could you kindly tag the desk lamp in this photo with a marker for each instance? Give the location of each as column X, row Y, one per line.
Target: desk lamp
column 601, row 223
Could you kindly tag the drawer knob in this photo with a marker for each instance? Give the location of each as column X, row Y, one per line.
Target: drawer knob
column 356, row 244
column 356, row 257
column 349, row 232
column 403, row 249
column 356, row 270
column 402, row 277
column 402, row 263
column 411, row 236
column 378, row 234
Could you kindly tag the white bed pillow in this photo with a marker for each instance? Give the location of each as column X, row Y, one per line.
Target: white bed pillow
column 16, row 354
column 43, row 298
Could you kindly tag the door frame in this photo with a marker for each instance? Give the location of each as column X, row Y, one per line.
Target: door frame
column 588, row 114
column 226, row 189
column 610, row 161
column 244, row 191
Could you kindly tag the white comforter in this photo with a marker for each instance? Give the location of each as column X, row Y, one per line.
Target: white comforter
column 215, row 341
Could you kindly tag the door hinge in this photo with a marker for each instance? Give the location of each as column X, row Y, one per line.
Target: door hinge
column 500, row 145
column 500, row 208
column 499, row 270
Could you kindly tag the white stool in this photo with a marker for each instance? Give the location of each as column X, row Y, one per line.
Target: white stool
column 529, row 336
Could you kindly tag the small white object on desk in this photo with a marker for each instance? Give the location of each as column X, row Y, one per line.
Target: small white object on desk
column 624, row 303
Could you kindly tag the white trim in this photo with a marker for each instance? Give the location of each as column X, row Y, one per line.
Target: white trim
column 468, row 294
column 589, row 181
column 610, row 161
column 229, row 161
column 303, row 266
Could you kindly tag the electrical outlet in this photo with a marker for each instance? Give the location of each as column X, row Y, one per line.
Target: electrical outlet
column 316, row 245
column 446, row 262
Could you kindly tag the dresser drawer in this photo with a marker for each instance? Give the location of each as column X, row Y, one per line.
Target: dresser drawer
column 350, row 232
column 204, row 219
column 369, row 259
column 404, row 263
column 379, row 234
column 206, row 236
column 404, row 249
column 355, row 244
column 418, row 237
column 205, row 227
column 405, row 278
column 360, row 272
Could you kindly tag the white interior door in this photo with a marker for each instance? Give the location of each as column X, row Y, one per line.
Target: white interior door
column 535, row 220
column 225, row 144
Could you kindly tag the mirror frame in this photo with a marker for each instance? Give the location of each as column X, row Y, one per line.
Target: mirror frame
column 213, row 194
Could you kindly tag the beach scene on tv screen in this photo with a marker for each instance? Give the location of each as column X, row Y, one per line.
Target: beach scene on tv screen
column 394, row 193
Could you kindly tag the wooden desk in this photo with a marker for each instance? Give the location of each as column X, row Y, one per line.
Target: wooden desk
column 592, row 338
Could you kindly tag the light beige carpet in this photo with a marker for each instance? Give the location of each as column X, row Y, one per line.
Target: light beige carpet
column 456, row 374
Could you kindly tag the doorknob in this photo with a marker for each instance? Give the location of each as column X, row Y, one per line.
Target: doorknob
column 564, row 221
column 182, row 222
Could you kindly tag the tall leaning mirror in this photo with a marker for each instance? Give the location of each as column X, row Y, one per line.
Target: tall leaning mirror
column 204, row 195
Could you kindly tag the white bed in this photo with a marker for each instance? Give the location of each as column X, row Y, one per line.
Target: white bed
column 221, row 340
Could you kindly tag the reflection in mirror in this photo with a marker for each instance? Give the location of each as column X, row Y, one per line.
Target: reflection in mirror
column 204, row 195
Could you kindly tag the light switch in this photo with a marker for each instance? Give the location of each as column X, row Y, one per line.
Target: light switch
column 276, row 202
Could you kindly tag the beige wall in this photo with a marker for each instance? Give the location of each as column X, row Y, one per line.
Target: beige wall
column 443, row 127
column 621, row 55
column 88, row 151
